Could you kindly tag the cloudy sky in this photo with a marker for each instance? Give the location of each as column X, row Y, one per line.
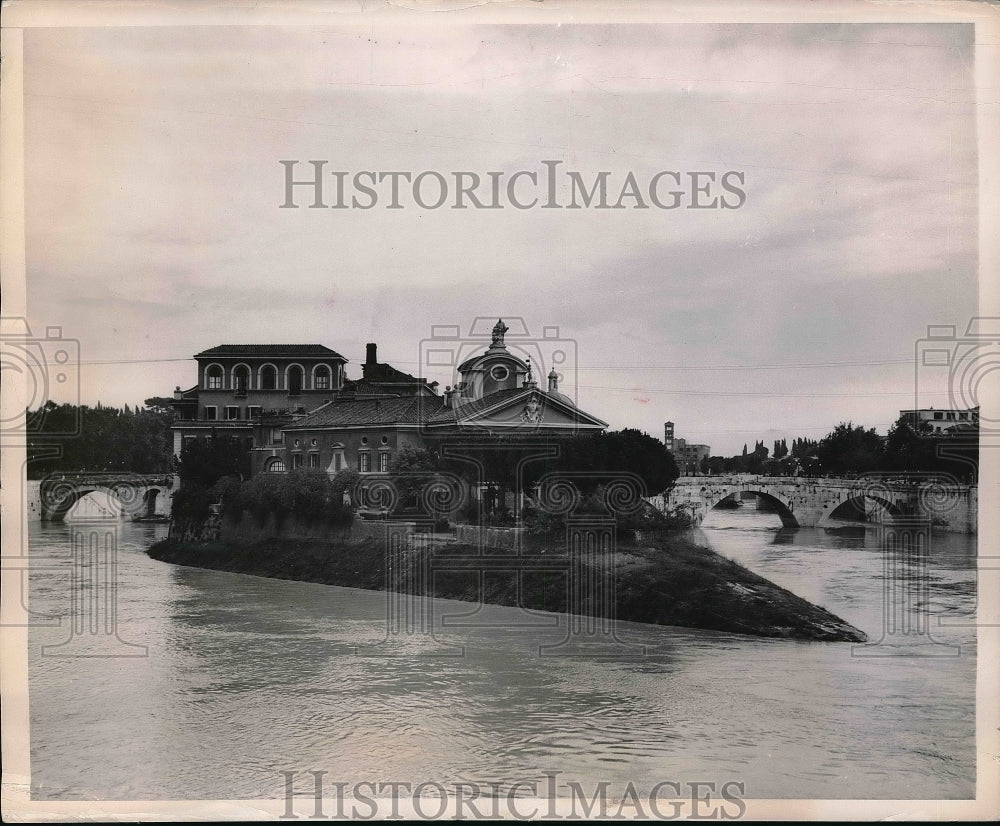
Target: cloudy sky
column 154, row 184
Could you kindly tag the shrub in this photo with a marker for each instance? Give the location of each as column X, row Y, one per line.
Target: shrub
column 192, row 502
column 306, row 493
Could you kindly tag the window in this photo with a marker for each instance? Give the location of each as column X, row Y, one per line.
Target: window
column 296, row 460
column 385, row 440
column 295, row 381
column 232, row 413
column 338, row 462
column 277, row 437
column 383, row 462
column 253, row 411
column 364, row 462
column 241, row 379
column 268, row 377
column 321, row 378
column 938, row 415
column 190, row 440
column 213, row 377
column 211, row 412
column 275, row 465
column 313, row 460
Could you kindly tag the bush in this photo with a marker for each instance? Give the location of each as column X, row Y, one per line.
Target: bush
column 226, row 492
column 306, row 493
column 543, row 523
column 192, row 502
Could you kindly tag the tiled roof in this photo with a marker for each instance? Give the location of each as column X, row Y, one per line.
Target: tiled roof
column 389, row 410
column 386, row 410
column 452, row 414
column 272, row 350
column 363, row 387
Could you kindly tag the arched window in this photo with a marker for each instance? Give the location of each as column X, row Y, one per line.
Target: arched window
column 241, row 378
column 321, row 378
column 294, row 380
column 275, row 465
column 213, row 377
column 268, row 377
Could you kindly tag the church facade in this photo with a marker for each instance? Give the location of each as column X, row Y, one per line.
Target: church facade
column 496, row 395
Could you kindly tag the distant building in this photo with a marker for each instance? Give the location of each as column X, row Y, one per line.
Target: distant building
column 687, row 456
column 952, row 422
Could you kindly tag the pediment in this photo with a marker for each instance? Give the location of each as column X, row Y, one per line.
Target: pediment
column 528, row 411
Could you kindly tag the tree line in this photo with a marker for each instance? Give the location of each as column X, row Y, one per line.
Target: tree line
column 69, row 438
column 851, row 450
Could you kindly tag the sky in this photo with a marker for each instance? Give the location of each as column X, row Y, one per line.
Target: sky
column 154, row 228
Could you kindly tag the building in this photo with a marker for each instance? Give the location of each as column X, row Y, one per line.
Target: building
column 293, row 406
column 944, row 422
column 245, row 389
column 687, row 456
column 496, row 394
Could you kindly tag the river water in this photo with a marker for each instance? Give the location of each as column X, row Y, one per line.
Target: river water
column 242, row 678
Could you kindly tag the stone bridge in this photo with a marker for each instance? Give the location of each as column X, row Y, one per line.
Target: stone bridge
column 138, row 495
column 816, row 502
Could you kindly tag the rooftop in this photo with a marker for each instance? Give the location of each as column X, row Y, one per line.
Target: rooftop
column 368, row 411
column 271, row 350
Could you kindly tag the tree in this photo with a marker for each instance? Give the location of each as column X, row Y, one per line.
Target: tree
column 594, row 459
column 410, row 471
column 921, row 452
column 159, row 404
column 849, row 449
column 203, row 461
column 98, row 439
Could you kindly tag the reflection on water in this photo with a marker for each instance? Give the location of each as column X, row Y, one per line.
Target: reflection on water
column 246, row 677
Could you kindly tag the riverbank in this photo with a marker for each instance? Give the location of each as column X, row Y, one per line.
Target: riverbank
column 668, row 581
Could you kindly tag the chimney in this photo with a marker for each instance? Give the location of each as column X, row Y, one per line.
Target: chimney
column 371, row 356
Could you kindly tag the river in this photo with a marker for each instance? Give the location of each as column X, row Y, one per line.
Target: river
column 243, row 678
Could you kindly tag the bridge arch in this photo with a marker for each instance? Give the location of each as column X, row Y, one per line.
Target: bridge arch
column 781, row 505
column 59, row 497
column 858, row 499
